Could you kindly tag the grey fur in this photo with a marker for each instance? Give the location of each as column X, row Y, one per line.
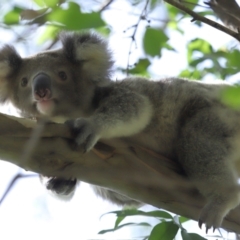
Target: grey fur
column 180, row 119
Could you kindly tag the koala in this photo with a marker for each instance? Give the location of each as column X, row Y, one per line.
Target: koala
column 181, row 119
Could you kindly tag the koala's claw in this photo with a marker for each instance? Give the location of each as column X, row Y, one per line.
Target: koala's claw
column 200, row 222
column 84, row 133
column 211, row 216
column 207, row 228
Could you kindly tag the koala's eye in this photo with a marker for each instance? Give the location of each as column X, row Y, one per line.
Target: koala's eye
column 24, row 82
column 62, row 75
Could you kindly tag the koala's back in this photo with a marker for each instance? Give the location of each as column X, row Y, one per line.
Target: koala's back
column 190, row 124
column 175, row 103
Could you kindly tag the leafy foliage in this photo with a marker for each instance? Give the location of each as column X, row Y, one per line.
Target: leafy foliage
column 154, row 40
column 167, row 229
column 202, row 58
column 230, row 97
column 12, row 17
column 81, row 20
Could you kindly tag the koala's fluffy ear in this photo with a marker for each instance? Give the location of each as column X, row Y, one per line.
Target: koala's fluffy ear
column 10, row 62
column 92, row 51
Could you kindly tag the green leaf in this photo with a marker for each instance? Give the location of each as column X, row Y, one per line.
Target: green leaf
column 104, row 30
column 73, row 19
column 198, row 45
column 231, row 97
column 164, row 231
column 173, row 12
column 141, row 67
column 233, row 58
column 50, row 32
column 13, row 16
column 40, row 3
column 194, row 74
column 48, row 3
column 196, row 61
column 51, row 3
column 154, row 3
column 169, row 47
column 135, row 212
column 191, row 5
column 175, row 26
column 183, row 219
column 119, row 220
column 153, row 41
column 145, row 224
column 191, row 236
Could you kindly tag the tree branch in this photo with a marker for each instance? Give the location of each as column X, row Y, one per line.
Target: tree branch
column 106, row 5
column 135, row 26
column 117, row 164
column 13, row 181
column 228, row 11
column 197, row 17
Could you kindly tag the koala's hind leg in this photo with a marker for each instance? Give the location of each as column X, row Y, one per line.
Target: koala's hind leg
column 59, row 187
column 204, row 151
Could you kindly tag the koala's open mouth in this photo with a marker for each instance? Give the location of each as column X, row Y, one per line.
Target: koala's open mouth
column 45, row 107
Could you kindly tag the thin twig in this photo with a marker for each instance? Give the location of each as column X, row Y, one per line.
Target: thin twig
column 141, row 17
column 197, row 17
column 52, row 44
column 13, row 181
column 106, row 5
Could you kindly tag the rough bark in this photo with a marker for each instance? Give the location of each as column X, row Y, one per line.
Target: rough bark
column 116, row 164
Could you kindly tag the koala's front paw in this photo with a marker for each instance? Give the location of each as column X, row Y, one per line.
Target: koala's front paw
column 85, row 134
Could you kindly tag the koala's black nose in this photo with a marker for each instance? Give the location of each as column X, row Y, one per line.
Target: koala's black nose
column 42, row 86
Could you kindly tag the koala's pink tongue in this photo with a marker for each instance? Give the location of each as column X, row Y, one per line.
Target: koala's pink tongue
column 45, row 107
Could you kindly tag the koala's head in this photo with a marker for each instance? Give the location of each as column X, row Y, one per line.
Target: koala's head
column 57, row 82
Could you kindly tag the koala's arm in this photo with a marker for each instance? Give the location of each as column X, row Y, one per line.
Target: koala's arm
column 122, row 113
